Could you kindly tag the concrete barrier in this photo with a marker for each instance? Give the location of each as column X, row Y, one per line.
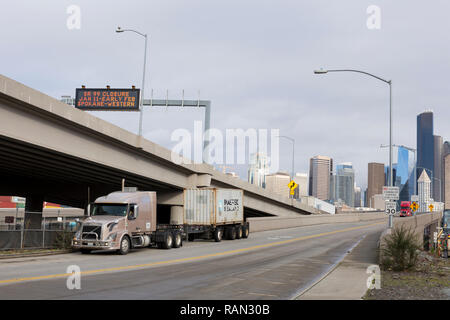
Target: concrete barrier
column 419, row 224
column 272, row 223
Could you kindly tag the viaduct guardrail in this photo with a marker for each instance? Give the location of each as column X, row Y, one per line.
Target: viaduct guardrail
column 422, row 224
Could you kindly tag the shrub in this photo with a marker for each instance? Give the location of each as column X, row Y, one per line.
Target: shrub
column 400, row 250
column 63, row 240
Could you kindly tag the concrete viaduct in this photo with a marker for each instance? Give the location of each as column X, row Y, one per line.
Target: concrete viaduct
column 50, row 151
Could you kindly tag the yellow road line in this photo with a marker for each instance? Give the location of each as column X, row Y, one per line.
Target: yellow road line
column 146, row 265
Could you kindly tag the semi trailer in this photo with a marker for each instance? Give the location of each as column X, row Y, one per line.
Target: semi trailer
column 121, row 221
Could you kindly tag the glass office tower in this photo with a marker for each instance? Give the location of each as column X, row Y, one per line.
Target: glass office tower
column 405, row 173
column 343, row 184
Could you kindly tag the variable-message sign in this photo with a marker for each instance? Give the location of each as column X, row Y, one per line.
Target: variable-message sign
column 107, row 99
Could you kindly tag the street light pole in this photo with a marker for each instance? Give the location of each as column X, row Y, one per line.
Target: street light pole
column 141, row 103
column 389, row 82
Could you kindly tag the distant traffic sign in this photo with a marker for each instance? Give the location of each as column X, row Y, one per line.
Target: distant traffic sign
column 414, row 206
column 107, row 99
column 390, row 193
column 292, row 185
column 391, row 207
column 431, row 207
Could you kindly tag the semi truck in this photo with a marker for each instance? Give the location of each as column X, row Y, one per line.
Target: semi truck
column 121, row 221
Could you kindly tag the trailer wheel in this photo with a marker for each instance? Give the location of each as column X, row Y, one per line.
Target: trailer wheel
column 168, row 240
column 231, row 233
column 177, row 240
column 245, row 231
column 124, row 245
column 218, row 234
column 238, row 232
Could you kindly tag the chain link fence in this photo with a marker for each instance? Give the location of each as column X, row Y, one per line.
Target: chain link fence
column 56, row 231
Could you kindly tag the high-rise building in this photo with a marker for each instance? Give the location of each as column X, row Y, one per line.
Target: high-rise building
column 425, row 142
column 424, row 191
column 342, row 186
column 302, row 180
column 366, row 202
column 437, row 171
column 358, row 197
column 404, row 174
column 320, row 171
column 446, row 174
column 278, row 183
column 258, row 170
column 375, row 181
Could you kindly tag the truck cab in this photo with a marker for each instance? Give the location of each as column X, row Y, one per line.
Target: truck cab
column 121, row 221
column 405, row 209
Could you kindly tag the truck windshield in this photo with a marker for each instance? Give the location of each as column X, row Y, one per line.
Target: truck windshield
column 109, row 210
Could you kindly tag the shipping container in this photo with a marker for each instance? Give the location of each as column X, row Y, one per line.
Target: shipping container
column 213, row 213
column 213, row 206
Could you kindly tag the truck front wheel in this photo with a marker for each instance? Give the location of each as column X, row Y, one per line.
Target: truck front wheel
column 124, row 245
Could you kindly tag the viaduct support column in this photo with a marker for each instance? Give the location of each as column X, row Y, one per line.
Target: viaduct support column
column 33, row 211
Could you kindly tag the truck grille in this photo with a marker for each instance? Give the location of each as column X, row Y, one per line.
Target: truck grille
column 88, row 232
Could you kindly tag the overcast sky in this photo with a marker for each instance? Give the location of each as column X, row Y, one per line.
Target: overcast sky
column 254, row 60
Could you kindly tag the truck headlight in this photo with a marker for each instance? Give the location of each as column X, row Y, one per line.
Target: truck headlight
column 112, row 237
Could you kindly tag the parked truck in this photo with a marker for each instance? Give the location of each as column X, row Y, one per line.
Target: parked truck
column 121, row 221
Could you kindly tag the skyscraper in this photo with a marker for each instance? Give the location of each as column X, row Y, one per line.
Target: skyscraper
column 258, row 170
column 320, row 170
column 425, row 142
column 357, row 197
column 404, row 177
column 375, row 181
column 437, row 172
column 343, row 184
column 424, row 190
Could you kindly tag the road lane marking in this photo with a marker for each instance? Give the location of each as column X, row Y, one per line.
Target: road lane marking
column 217, row 254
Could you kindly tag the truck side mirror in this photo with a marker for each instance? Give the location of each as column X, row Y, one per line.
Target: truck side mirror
column 134, row 212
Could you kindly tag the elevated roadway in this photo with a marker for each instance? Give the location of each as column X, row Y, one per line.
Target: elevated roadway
column 50, row 151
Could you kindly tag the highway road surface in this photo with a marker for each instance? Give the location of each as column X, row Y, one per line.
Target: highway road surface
column 275, row 264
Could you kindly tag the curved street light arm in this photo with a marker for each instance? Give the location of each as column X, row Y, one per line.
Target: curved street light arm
column 359, row 71
column 131, row 30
